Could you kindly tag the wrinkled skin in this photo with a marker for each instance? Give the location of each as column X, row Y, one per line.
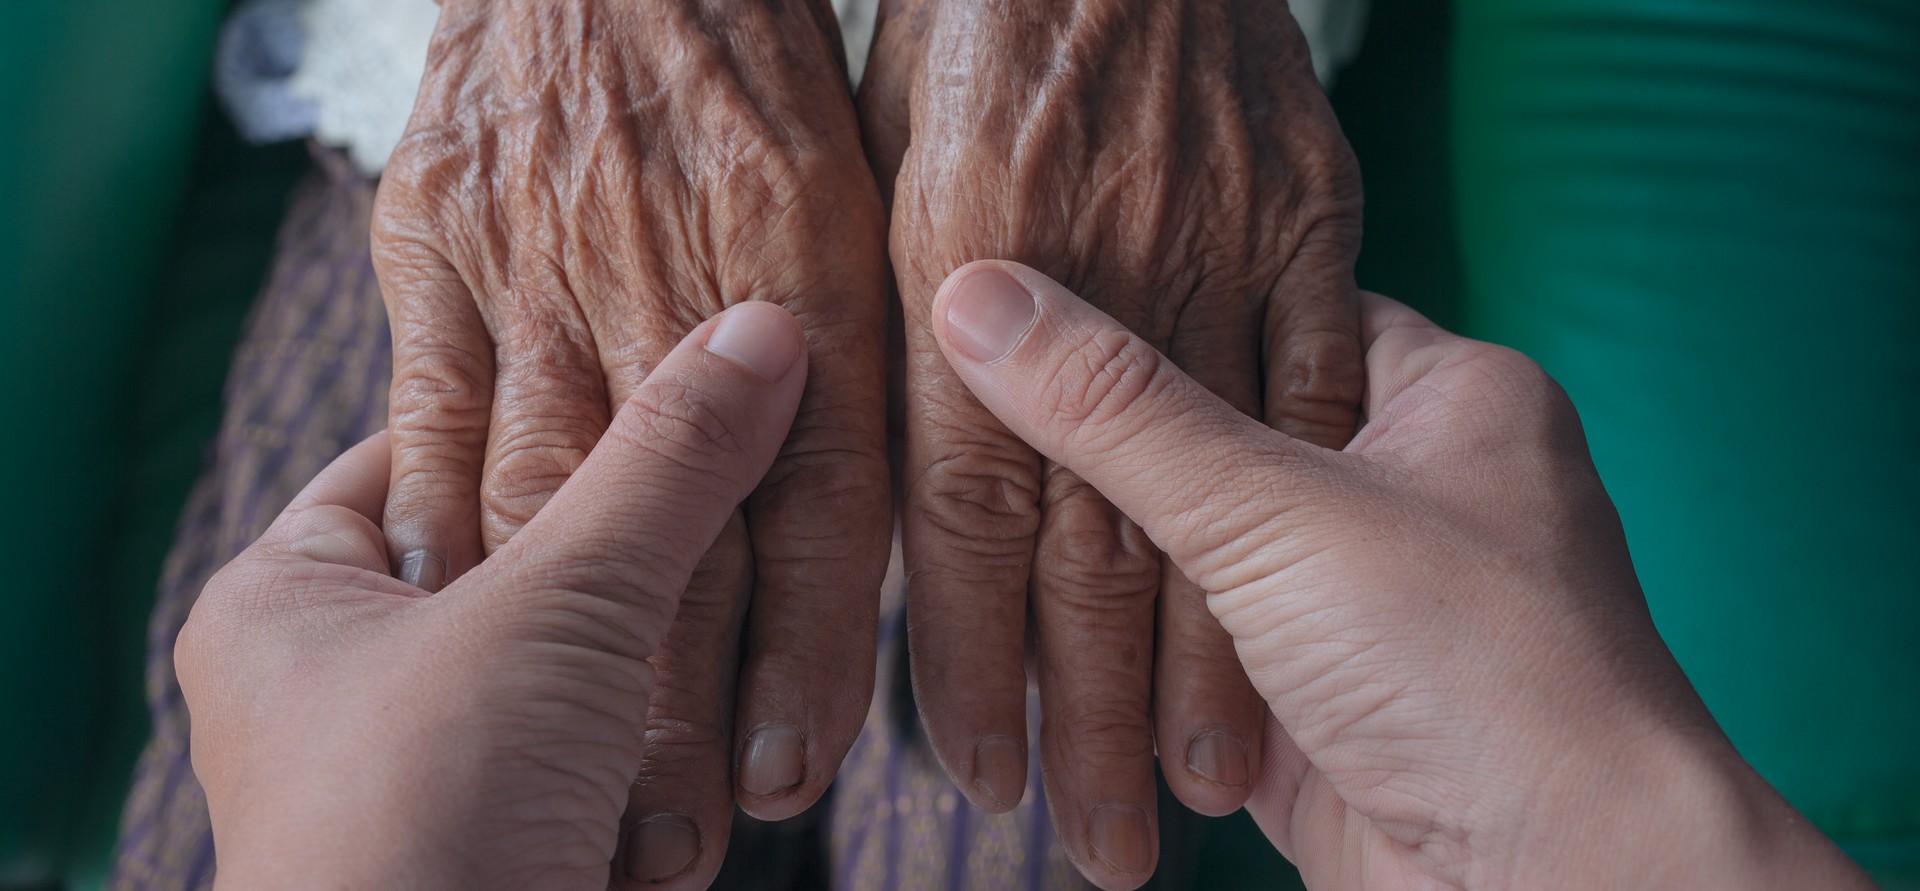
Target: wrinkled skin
column 581, row 184
column 1466, row 688
column 1176, row 163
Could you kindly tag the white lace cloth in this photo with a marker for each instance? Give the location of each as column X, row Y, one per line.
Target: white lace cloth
column 362, row 61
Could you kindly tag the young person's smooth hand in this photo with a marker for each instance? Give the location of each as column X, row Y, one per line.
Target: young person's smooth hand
column 355, row 731
column 1466, row 688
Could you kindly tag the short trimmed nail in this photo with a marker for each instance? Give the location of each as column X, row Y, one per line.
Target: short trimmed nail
column 988, row 314
column 1218, row 757
column 662, row 847
column 772, row 762
column 1000, row 769
column 1122, row 838
column 756, row 338
column 423, row 570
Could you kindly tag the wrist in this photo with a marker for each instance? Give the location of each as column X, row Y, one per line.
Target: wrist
column 310, row 838
column 387, row 804
column 1677, row 809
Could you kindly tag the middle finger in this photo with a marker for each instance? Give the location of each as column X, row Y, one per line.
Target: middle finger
column 1095, row 581
column 549, row 409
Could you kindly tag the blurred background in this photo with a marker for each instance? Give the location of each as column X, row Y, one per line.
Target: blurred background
column 1702, row 216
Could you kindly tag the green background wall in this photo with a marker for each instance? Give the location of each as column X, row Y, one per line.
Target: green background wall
column 135, row 233
column 1703, row 218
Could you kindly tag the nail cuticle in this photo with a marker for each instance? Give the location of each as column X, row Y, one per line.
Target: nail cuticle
column 989, row 314
column 1218, row 757
column 423, row 570
column 1121, row 837
column 661, row 848
column 1000, row 769
column 773, row 761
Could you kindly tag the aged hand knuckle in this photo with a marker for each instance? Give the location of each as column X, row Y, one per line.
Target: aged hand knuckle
column 440, row 383
column 826, row 480
column 1109, row 730
column 511, row 502
column 1094, row 571
column 1322, row 365
column 532, row 460
column 542, row 443
column 1090, row 588
column 432, row 482
column 673, row 739
column 1321, row 379
column 1092, row 555
column 976, row 494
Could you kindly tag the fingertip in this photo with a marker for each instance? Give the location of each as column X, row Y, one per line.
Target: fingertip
column 1122, row 837
column 336, row 518
column 1380, row 314
column 432, row 532
column 985, row 310
column 999, row 773
column 662, row 848
column 423, row 569
column 1220, row 757
column 773, row 761
column 357, row 479
column 771, row 779
column 431, row 559
column 759, row 336
column 1207, row 716
column 1216, row 777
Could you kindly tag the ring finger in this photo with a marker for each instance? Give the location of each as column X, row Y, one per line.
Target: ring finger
column 680, row 808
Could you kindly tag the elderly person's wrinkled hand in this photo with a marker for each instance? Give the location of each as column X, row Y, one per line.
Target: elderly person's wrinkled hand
column 1176, row 163
column 356, row 731
column 1464, row 687
column 581, row 184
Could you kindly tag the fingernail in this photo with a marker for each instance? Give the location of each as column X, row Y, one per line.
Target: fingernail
column 988, row 314
column 1122, row 838
column 1218, row 757
column 423, row 570
column 662, row 847
column 755, row 336
column 772, row 762
column 1000, row 769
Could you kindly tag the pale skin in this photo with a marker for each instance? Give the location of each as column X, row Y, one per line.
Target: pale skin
column 353, row 730
column 1462, row 686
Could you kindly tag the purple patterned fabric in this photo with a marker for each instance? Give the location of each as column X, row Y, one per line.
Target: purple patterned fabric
column 308, row 380
column 897, row 821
